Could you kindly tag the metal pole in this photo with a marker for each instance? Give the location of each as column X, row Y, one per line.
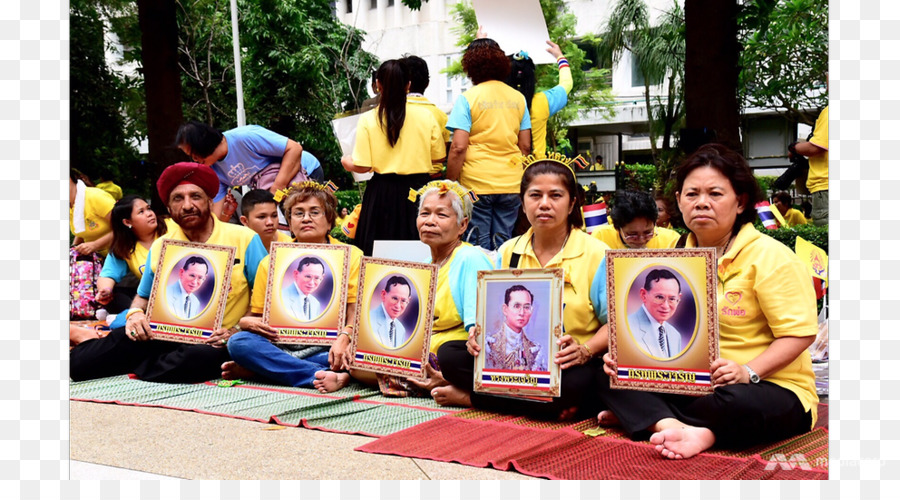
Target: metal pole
column 241, row 118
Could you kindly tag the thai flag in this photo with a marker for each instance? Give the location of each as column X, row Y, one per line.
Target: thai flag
column 766, row 216
column 594, row 216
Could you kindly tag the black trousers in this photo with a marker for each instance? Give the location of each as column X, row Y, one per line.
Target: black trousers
column 153, row 360
column 740, row 415
column 577, row 387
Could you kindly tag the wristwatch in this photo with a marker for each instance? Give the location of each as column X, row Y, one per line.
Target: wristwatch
column 754, row 378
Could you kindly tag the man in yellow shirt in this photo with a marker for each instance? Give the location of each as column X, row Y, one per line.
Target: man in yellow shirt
column 634, row 215
column 816, row 149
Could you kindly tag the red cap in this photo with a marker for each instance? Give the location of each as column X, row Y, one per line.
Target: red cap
column 187, row 173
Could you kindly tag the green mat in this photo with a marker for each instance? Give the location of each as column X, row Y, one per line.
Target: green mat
column 355, row 409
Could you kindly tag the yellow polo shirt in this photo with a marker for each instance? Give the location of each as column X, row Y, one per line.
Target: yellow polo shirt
column 97, row 205
column 794, row 217
column 584, row 266
column 764, row 292
column 817, row 180
column 258, row 299
column 455, row 295
column 435, row 111
column 420, row 142
column 665, row 238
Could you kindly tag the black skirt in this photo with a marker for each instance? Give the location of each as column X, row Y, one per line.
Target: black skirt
column 387, row 213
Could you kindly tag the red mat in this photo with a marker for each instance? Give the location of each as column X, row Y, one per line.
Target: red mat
column 562, row 451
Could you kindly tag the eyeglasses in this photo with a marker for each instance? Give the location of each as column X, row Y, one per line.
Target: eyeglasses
column 313, row 214
column 521, row 307
column 646, row 235
column 659, row 299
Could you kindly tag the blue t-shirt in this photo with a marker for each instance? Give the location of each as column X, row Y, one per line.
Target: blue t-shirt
column 250, row 149
column 309, row 162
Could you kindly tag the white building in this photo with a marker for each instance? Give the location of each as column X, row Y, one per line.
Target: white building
column 394, row 30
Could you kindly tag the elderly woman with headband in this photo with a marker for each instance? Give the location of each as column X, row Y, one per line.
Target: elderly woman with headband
column 551, row 200
column 444, row 211
column 764, row 386
column 311, row 209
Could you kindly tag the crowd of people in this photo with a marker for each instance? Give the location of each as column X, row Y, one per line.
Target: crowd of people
column 763, row 380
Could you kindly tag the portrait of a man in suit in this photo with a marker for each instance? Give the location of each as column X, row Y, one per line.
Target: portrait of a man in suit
column 298, row 297
column 509, row 348
column 385, row 319
column 183, row 303
column 650, row 325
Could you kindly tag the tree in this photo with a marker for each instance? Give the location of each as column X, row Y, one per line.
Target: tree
column 785, row 56
column 590, row 89
column 660, row 54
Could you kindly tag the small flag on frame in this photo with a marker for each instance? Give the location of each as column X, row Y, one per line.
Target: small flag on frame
column 594, row 216
column 766, row 216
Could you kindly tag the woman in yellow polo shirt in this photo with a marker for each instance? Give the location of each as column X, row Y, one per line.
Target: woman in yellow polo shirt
column 763, row 379
column 89, row 210
column 634, row 215
column 399, row 141
column 552, row 200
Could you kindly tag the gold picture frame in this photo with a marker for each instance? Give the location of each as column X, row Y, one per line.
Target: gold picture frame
column 663, row 339
column 187, row 302
column 316, row 314
column 383, row 286
column 533, row 317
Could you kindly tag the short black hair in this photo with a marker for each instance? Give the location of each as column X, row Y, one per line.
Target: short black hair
column 200, row 137
column 417, row 70
column 516, row 288
column 521, row 77
column 783, row 197
column 660, row 274
column 192, row 260
column 395, row 281
column 255, row 197
column 309, row 261
column 630, row 205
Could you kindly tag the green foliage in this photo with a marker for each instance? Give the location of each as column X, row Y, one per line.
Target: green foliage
column 785, row 56
column 102, row 137
column 817, row 235
column 590, row 89
column 765, row 184
column 347, row 198
column 640, row 176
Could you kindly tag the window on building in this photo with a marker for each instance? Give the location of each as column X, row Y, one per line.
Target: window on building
column 449, row 95
column 390, row 3
column 373, row 4
column 349, row 5
column 637, row 76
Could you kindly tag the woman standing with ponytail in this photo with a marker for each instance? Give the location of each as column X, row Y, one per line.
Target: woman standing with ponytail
column 399, row 142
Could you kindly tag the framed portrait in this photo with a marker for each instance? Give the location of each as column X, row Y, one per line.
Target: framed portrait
column 394, row 314
column 519, row 314
column 306, row 296
column 187, row 301
column 663, row 326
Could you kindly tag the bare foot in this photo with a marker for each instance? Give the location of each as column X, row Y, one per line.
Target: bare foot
column 607, row 418
column 234, row 371
column 329, row 381
column 684, row 442
column 78, row 334
column 449, row 395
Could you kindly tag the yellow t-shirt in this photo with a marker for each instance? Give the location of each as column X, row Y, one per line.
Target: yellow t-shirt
column 455, row 295
column 247, row 252
column 794, row 217
column 665, row 238
column 581, row 261
column 420, row 142
column 138, row 259
column 258, row 299
column 97, row 205
column 493, row 160
column 765, row 292
column 435, row 111
column 817, row 180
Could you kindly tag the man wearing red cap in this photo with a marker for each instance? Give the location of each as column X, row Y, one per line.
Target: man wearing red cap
column 187, row 189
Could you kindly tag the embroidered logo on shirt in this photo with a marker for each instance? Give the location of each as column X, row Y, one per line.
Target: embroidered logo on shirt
column 733, row 298
column 91, row 224
column 239, row 174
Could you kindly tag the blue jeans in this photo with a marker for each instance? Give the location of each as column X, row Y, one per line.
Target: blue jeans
column 265, row 359
column 493, row 219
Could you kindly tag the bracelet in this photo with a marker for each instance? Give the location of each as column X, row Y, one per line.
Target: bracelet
column 588, row 349
column 132, row 311
column 342, row 332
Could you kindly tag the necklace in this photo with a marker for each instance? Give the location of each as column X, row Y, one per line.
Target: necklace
column 445, row 259
column 721, row 250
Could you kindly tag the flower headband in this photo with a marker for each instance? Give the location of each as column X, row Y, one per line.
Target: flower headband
column 443, row 186
column 296, row 186
column 570, row 163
